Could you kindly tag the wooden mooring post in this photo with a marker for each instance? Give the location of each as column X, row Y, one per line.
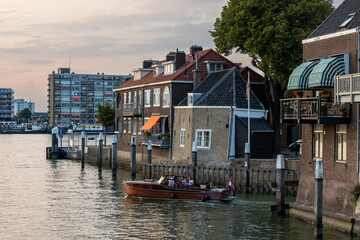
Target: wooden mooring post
column 101, row 139
column 114, row 156
column 194, row 160
column 82, row 149
column 247, row 167
column 318, row 198
column 133, row 158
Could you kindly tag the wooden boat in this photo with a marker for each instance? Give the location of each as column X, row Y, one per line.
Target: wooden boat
column 150, row 188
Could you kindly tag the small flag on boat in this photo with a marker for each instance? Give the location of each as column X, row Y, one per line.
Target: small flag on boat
column 231, row 187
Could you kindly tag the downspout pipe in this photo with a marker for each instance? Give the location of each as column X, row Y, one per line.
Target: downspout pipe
column 171, row 123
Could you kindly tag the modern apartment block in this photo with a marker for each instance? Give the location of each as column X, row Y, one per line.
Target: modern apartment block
column 21, row 104
column 6, row 105
column 73, row 98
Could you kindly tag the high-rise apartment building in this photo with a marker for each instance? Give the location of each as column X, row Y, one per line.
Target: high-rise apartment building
column 21, row 104
column 73, row 98
column 6, row 105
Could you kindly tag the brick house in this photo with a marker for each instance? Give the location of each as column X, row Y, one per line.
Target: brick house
column 214, row 116
column 144, row 103
column 329, row 120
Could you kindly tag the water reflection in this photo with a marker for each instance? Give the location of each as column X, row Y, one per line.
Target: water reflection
column 55, row 199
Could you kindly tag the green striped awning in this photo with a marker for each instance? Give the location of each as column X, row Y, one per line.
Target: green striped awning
column 299, row 78
column 323, row 73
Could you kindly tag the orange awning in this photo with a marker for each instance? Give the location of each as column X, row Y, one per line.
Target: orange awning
column 150, row 123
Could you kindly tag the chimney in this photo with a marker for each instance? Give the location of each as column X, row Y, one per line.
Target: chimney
column 170, row 56
column 149, row 63
column 194, row 49
column 179, row 59
column 197, row 74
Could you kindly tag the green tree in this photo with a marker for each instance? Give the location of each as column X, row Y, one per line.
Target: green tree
column 23, row 116
column 270, row 32
column 106, row 116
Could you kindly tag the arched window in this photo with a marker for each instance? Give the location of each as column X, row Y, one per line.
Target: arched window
column 118, row 101
column 166, row 97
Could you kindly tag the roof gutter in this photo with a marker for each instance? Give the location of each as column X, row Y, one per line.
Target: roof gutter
column 331, row 35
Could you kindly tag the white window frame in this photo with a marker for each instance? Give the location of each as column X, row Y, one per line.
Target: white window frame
column 182, row 137
column 129, row 125
column 341, row 142
column 124, row 100
column 147, row 98
column 139, row 125
column 318, row 140
column 166, row 97
column 201, row 144
column 134, row 125
column 129, row 97
column 134, row 99
column 139, row 98
column 156, row 97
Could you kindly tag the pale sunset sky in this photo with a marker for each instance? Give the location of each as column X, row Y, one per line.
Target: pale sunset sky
column 105, row 36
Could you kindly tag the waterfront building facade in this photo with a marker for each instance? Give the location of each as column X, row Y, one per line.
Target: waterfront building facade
column 145, row 103
column 215, row 116
column 21, row 104
column 328, row 79
column 6, row 105
column 73, row 98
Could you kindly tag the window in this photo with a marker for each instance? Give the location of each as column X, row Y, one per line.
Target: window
column 340, row 142
column 119, row 125
column 134, row 100
column 124, row 125
column 190, row 99
column 140, row 98
column 182, row 137
column 134, row 126
column 156, row 97
column 147, row 98
column 203, row 138
column 129, row 125
column 347, row 20
column 139, row 125
column 129, row 99
column 318, row 137
column 124, row 98
column 166, row 97
column 213, row 66
column 118, row 101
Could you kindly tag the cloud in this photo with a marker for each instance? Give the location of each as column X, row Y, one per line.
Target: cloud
column 38, row 61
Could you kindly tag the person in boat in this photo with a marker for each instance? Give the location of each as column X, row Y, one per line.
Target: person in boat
column 171, row 182
column 184, row 181
column 191, row 182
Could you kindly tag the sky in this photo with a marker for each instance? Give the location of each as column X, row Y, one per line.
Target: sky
column 102, row 36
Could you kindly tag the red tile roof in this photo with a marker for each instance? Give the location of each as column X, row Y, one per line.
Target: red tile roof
column 183, row 74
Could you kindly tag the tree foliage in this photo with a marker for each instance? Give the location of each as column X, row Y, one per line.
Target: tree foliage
column 23, row 115
column 269, row 31
column 106, row 115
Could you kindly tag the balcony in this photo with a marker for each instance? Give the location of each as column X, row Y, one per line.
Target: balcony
column 347, row 88
column 160, row 140
column 130, row 109
column 314, row 111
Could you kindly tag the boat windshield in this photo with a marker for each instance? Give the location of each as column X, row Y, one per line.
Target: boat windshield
column 161, row 179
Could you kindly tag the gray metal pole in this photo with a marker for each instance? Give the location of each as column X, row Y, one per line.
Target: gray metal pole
column 318, row 198
column 194, row 160
column 82, row 149
column 101, row 139
column 149, row 157
column 280, row 185
column 114, row 155
column 247, row 167
column 133, row 158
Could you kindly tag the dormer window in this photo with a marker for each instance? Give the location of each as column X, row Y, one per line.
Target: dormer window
column 141, row 72
column 158, row 70
column 213, row 66
column 347, row 20
column 193, row 97
column 169, row 68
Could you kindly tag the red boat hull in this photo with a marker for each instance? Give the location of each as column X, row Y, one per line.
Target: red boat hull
column 152, row 189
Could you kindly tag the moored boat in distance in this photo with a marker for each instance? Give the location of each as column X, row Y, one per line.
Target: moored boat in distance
column 161, row 189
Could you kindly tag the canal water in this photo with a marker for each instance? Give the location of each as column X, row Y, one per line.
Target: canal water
column 55, row 199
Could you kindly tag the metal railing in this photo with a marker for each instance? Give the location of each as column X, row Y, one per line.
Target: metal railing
column 316, row 109
column 347, row 88
column 161, row 140
column 131, row 108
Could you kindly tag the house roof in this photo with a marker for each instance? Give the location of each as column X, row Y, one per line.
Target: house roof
column 256, row 124
column 333, row 22
column 184, row 73
column 218, row 90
